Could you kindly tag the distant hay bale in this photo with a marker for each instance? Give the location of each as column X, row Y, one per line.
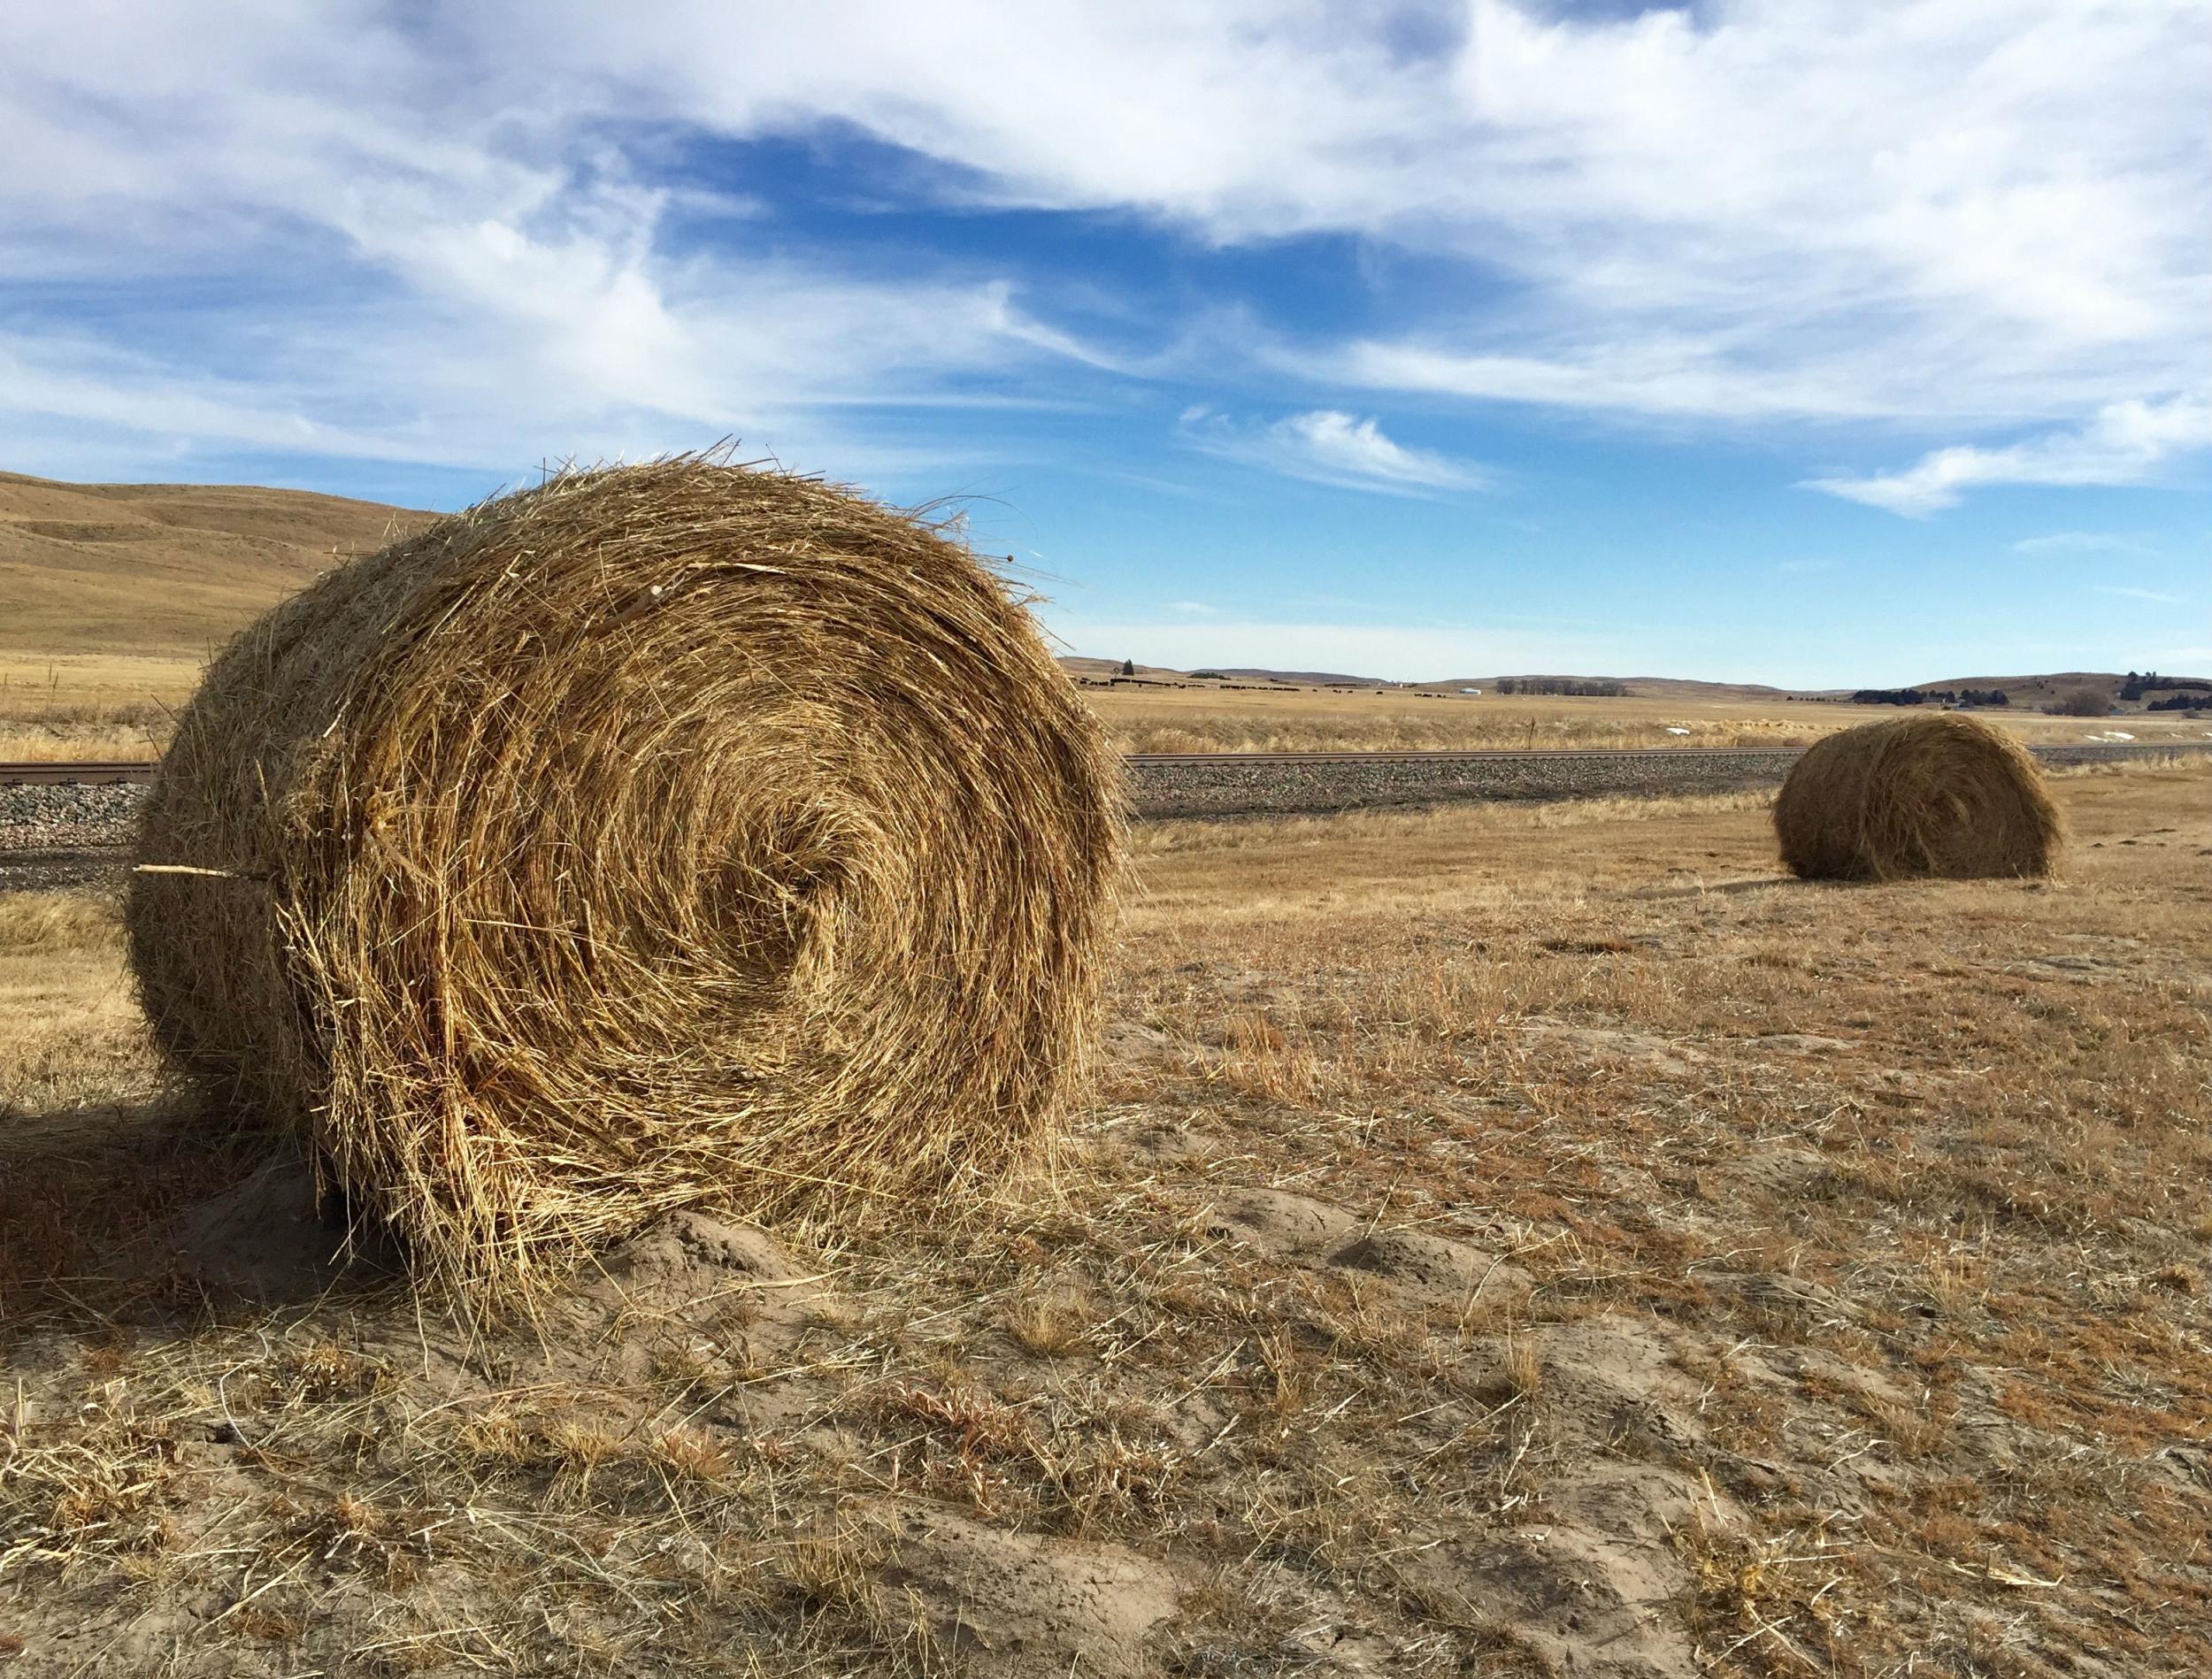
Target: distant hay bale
column 664, row 834
column 1933, row 794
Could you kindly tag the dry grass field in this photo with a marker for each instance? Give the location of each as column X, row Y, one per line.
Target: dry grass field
column 119, row 706
column 1212, row 719
column 91, row 705
column 1505, row 1240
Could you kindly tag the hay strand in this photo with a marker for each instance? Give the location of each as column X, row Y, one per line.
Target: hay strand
column 667, row 833
column 1934, row 795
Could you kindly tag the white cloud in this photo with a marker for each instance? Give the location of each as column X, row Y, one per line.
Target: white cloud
column 1810, row 208
column 1749, row 210
column 2126, row 443
column 1800, row 155
column 1329, row 447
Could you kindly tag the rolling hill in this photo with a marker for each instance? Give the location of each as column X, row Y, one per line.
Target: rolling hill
column 163, row 570
column 171, row 571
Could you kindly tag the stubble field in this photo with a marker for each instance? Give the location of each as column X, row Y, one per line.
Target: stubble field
column 91, row 705
column 1503, row 1240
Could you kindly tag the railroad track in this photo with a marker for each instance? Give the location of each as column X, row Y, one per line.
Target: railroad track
column 2056, row 752
column 107, row 773
column 1473, row 755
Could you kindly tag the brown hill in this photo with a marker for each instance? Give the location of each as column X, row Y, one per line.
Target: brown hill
column 1667, row 687
column 2038, row 690
column 1078, row 665
column 1303, row 678
column 164, row 568
column 170, row 570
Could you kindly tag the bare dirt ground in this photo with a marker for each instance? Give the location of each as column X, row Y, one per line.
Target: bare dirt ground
column 1504, row 1240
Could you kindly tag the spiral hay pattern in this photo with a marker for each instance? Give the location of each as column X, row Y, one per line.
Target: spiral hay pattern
column 1936, row 795
column 664, row 834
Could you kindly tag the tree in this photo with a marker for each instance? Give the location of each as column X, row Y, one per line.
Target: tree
column 1128, row 667
column 2080, row 702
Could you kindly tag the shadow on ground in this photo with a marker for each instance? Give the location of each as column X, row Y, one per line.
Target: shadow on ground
column 157, row 1209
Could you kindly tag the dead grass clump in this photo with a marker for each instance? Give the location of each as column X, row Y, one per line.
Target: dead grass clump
column 38, row 922
column 1940, row 795
column 664, row 834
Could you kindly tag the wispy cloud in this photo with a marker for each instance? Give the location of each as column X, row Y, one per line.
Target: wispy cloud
column 2081, row 542
column 1768, row 208
column 2141, row 595
column 371, row 279
column 2126, row 443
column 1327, row 446
column 1657, row 375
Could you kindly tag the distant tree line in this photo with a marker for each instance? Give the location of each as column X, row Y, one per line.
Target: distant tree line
column 1578, row 688
column 2193, row 699
column 2139, row 684
column 1961, row 697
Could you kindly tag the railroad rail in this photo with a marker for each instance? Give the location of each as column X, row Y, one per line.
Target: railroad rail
column 79, row 775
column 108, row 773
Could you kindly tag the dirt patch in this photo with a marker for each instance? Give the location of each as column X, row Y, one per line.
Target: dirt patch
column 1017, row 1604
column 275, row 1239
column 1596, row 1594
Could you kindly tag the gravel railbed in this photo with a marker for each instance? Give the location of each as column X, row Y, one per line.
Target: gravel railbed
column 65, row 836
column 41, row 819
column 1228, row 788
column 106, row 867
column 54, row 822
column 1261, row 788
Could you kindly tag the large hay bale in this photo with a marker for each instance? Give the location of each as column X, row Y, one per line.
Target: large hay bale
column 664, row 834
column 1932, row 794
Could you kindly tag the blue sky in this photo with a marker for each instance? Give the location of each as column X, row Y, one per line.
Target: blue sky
column 1765, row 340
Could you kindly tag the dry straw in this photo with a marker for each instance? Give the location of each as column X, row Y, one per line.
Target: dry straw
column 1934, row 795
column 668, row 834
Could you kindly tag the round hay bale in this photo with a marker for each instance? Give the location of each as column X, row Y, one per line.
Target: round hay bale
column 665, row 834
column 1936, row 795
